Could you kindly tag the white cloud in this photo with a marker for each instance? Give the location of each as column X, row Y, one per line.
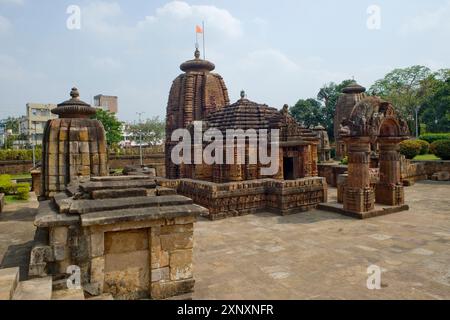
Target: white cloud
column 269, row 59
column 438, row 19
column 217, row 19
column 106, row 63
column 5, row 25
column 101, row 18
column 15, row 2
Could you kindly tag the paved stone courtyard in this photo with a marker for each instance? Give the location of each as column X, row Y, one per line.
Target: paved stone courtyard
column 314, row 255
column 321, row 255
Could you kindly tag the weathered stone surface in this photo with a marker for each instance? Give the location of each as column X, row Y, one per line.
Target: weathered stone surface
column 68, row 294
column 163, row 290
column 441, row 176
column 36, row 289
column 161, row 274
column 121, row 193
column 140, row 215
column 121, row 184
column 9, row 278
column 175, row 241
column 88, row 206
column 126, row 241
column 181, row 265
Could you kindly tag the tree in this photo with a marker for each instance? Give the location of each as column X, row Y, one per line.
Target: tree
column 308, row 112
column 152, row 131
column 406, row 89
column 113, row 127
column 435, row 111
column 329, row 94
column 12, row 124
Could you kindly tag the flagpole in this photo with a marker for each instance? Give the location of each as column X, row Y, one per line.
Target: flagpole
column 204, row 46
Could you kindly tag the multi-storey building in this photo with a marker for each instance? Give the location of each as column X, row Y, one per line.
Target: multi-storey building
column 107, row 103
column 32, row 125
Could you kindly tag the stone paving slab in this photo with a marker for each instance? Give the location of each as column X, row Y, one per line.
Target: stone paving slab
column 324, row 255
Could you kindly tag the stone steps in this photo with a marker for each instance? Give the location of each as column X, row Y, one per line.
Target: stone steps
column 94, row 186
column 89, row 206
column 36, row 289
column 9, row 279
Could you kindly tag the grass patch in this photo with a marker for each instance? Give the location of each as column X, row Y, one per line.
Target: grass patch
column 21, row 176
column 14, row 199
column 425, row 157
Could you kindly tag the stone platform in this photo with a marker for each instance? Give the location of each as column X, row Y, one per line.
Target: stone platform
column 130, row 238
column 223, row 200
column 380, row 210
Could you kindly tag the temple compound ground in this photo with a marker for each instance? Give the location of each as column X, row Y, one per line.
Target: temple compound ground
column 323, row 255
column 311, row 255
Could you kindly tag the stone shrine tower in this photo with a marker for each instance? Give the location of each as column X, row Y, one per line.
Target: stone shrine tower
column 74, row 146
column 193, row 96
column 352, row 94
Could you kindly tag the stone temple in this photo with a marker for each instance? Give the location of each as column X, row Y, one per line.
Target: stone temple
column 74, row 146
column 237, row 188
column 351, row 95
column 193, row 96
column 125, row 236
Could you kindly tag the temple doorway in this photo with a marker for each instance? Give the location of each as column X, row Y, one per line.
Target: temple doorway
column 288, row 168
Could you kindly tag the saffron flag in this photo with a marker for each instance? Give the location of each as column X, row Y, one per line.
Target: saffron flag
column 198, row 29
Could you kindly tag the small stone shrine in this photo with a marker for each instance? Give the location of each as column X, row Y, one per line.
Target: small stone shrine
column 231, row 189
column 351, row 95
column 373, row 121
column 74, row 146
column 324, row 148
column 127, row 236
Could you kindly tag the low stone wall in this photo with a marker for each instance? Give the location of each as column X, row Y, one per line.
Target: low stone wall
column 2, row 202
column 152, row 161
column 411, row 171
column 15, row 167
column 240, row 198
column 115, row 162
column 331, row 171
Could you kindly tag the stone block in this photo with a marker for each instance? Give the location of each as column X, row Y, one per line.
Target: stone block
column 181, row 264
column 127, row 275
column 60, row 252
column 59, row 235
column 175, row 241
column 161, row 274
column 97, row 242
column 164, row 290
column 98, row 271
column 126, row 241
column 441, row 176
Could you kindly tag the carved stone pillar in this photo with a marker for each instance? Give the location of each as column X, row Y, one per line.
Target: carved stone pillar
column 389, row 190
column 359, row 195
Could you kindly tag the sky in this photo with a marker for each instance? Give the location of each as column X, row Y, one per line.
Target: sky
column 277, row 51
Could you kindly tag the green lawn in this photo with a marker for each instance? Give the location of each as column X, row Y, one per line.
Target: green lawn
column 21, row 176
column 427, row 157
column 13, row 199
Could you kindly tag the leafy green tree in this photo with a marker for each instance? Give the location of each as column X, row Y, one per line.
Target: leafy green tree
column 406, row 89
column 435, row 111
column 152, row 131
column 308, row 112
column 329, row 95
column 12, row 124
column 113, row 126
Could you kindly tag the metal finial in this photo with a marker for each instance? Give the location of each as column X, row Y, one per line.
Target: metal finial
column 74, row 93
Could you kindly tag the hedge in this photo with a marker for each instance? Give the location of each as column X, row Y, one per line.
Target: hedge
column 432, row 137
column 424, row 146
column 9, row 188
column 410, row 148
column 24, row 155
column 441, row 148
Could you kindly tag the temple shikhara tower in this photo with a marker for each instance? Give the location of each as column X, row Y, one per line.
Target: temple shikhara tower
column 74, row 146
column 193, row 96
column 352, row 94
